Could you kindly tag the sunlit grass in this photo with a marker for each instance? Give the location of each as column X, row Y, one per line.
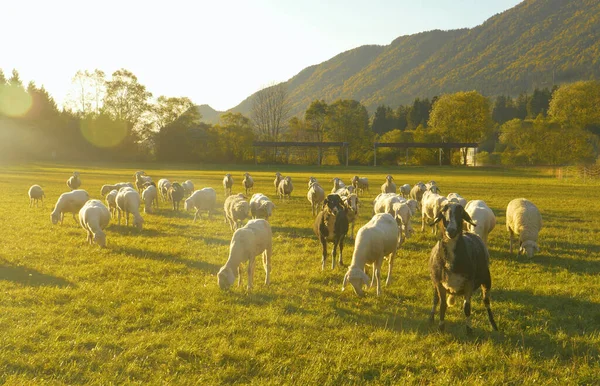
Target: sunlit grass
column 148, row 309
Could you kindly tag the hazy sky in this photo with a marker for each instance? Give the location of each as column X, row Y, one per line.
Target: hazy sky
column 215, row 52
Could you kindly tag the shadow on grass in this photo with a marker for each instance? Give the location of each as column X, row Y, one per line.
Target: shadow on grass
column 132, row 231
column 29, row 277
column 293, row 232
column 170, row 258
column 552, row 261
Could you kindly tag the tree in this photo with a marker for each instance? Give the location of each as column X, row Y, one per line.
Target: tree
column 315, row 117
column 270, row 111
column 462, row 117
column 167, row 110
column 383, row 120
column 539, row 102
column 126, row 99
column 576, row 105
column 14, row 100
column 402, row 117
column 419, row 113
column 504, row 109
column 348, row 121
column 235, row 137
column 521, row 105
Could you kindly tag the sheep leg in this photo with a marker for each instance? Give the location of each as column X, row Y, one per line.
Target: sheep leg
column 390, row 265
column 467, row 309
column 352, row 230
column 89, row 237
column 324, row 257
column 436, row 300
column 341, row 245
column 377, row 274
column 485, row 291
column 422, row 222
column 443, row 306
column 267, row 264
column 251, row 264
column 510, row 240
column 196, row 215
column 62, row 217
column 239, row 275
column 119, row 216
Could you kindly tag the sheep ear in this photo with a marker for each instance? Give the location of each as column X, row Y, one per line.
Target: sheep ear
column 467, row 218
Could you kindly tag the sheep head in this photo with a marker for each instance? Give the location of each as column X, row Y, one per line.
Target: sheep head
column 100, row 239
column 357, row 278
column 529, row 247
column 452, row 215
column 332, row 203
column 225, row 277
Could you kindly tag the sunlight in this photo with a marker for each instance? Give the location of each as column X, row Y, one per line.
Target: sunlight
column 103, row 134
column 14, row 102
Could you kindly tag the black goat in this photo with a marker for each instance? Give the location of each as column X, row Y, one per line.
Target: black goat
column 331, row 224
column 175, row 194
column 459, row 263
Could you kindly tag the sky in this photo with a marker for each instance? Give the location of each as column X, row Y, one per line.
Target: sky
column 214, row 52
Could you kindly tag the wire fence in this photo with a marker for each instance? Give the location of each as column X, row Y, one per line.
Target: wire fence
column 583, row 173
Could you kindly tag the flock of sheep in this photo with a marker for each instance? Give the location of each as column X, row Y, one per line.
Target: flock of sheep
column 458, row 262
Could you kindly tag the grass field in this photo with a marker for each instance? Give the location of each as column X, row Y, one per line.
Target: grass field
column 148, row 309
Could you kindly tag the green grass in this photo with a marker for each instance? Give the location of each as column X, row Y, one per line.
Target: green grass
column 148, row 310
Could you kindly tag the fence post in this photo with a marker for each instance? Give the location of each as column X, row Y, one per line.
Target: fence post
column 374, row 155
column 346, row 155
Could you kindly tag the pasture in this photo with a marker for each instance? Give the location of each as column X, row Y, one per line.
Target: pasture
column 148, row 310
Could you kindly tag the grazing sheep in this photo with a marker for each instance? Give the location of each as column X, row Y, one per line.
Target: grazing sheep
column 316, row 195
column 482, row 216
column 278, row 178
column 405, row 190
column 108, row 188
column 36, row 194
column 253, row 239
column 455, row 197
column 285, row 188
column 261, row 206
column 337, row 184
column 311, row 180
column 331, row 224
column 388, row 186
column 70, row 202
column 128, row 202
column 74, row 182
column 175, row 194
column 188, row 188
column 416, row 193
column 94, row 217
column 247, row 182
column 236, row 210
column 360, row 184
column 375, row 240
column 432, row 203
column 203, row 199
column 140, row 179
column 459, row 264
column 227, row 184
column 351, row 203
column 150, row 197
column 163, row 187
column 523, row 219
column 111, row 201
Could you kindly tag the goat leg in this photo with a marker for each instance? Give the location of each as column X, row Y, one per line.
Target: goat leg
column 436, row 300
column 488, row 307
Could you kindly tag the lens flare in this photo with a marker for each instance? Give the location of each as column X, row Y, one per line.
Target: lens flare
column 103, row 133
column 14, row 101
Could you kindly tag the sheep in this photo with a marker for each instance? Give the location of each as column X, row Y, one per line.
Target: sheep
column 74, row 182
column 375, row 240
column 278, row 178
column 108, row 188
column 482, row 216
column 247, row 182
column 388, row 186
column 150, row 197
column 227, row 184
column 416, row 193
column 253, row 239
column 523, row 219
column 140, row 179
column 351, row 203
column 455, row 197
column 261, row 206
column 345, row 191
column 93, row 218
column 70, row 202
column 458, row 264
column 111, row 201
column 331, row 224
column 360, row 184
column 311, row 180
column 432, row 186
column 188, row 188
column 203, row 199
column 337, row 184
column 405, row 190
column 128, row 201
column 315, row 195
column 236, row 210
column 163, row 187
column 400, row 209
column 36, row 194
column 431, row 205
column 285, row 188
column 175, row 194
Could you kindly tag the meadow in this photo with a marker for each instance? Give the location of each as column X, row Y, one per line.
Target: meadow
column 148, row 310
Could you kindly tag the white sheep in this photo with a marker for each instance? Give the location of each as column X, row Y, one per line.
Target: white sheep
column 111, row 201
column 431, row 205
column 188, row 188
column 247, row 182
column 36, row 194
column 108, row 188
column 227, row 184
column 311, row 180
column 278, row 178
column 236, row 209
column 74, row 182
column 388, row 186
column 70, row 202
column 455, row 197
column 360, row 184
column 93, row 218
column 351, row 202
column 337, row 184
column 140, row 179
column 261, row 206
column 248, row 242
column 524, row 220
column 150, row 198
column 405, row 190
column 163, row 188
column 375, row 240
column 401, row 209
column 316, row 196
column 285, row 188
column 128, row 201
column 203, row 199
column 482, row 216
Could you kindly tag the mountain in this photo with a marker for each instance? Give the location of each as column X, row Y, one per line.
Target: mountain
column 537, row 43
column 209, row 115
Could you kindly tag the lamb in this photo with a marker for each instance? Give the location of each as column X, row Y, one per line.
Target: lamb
column 128, row 201
column 108, row 188
column 351, row 203
column 140, row 179
column 337, row 184
column 236, row 210
column 405, row 190
column 455, row 197
column 203, row 199
column 360, row 184
column 278, row 178
column 74, row 182
column 523, row 219
column 331, row 224
column 150, row 197
column 93, row 218
column 247, row 182
column 253, row 239
column 175, row 194
column 70, row 202
column 459, row 263
column 431, row 205
column 388, row 186
column 36, row 194
column 285, row 188
column 111, row 201
column 483, row 217
column 188, row 188
column 416, row 193
column 163, row 187
column 261, row 206
column 375, row 240
column 315, row 195
column 227, row 184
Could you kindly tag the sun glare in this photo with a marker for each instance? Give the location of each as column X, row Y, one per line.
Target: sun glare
column 14, row 102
